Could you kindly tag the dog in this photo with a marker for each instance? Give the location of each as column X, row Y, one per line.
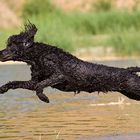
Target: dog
column 52, row 66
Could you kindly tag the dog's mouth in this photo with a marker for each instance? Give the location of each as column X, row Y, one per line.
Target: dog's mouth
column 5, row 56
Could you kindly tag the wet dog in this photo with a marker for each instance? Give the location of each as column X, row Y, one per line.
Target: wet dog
column 51, row 66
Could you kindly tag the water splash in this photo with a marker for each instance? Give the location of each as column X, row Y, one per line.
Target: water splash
column 121, row 101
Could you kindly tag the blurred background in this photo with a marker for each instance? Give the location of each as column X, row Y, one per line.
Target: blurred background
column 91, row 29
column 106, row 31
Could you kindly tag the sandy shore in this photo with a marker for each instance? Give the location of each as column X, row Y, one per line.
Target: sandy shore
column 83, row 58
column 11, row 63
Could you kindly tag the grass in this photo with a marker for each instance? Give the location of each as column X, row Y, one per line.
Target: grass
column 4, row 34
column 103, row 27
column 71, row 30
column 103, row 5
column 126, row 43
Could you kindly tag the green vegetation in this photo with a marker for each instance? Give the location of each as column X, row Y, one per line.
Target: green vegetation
column 102, row 26
column 36, row 7
column 4, row 34
column 103, row 5
column 126, row 43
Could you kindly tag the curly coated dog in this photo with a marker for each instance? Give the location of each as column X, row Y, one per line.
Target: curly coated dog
column 51, row 66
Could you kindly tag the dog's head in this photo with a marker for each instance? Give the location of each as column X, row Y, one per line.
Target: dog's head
column 18, row 45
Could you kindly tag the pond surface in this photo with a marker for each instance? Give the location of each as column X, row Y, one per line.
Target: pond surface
column 68, row 117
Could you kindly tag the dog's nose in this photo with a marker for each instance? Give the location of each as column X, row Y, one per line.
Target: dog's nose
column 0, row 55
column 1, row 52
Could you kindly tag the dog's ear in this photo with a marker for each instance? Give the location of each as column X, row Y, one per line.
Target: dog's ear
column 30, row 29
column 28, row 35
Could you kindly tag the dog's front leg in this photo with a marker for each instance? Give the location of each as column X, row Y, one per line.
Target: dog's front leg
column 55, row 79
column 18, row 84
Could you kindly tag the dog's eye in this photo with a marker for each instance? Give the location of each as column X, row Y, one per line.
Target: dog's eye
column 26, row 44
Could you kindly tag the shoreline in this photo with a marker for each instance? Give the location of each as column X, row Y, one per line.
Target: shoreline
column 109, row 58
column 11, row 63
column 82, row 58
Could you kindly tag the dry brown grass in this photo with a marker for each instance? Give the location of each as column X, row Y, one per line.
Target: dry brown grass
column 15, row 5
column 10, row 10
column 8, row 17
column 85, row 5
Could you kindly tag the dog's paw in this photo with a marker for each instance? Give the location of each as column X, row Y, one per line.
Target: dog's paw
column 3, row 90
column 43, row 97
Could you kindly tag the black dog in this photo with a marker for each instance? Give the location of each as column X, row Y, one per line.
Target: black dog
column 51, row 66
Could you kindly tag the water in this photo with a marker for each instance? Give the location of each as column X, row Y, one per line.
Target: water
column 68, row 117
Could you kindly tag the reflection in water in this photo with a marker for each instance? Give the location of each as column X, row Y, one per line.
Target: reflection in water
column 67, row 117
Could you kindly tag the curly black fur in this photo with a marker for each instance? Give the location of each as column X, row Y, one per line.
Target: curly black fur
column 51, row 66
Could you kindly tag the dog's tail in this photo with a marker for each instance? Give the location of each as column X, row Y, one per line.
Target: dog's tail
column 134, row 69
column 131, row 88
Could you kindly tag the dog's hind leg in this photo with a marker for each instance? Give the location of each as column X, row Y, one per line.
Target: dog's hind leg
column 55, row 79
